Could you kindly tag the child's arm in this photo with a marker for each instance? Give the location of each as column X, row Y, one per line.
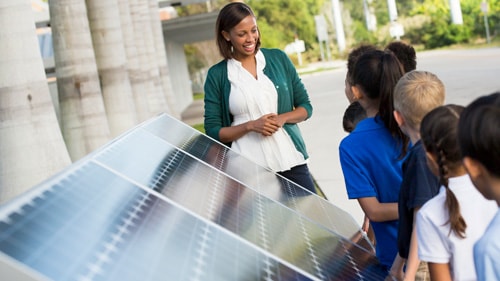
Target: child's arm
column 413, row 260
column 378, row 212
column 396, row 272
column 440, row 271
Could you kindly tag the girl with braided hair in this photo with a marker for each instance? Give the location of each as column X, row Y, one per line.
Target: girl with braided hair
column 450, row 223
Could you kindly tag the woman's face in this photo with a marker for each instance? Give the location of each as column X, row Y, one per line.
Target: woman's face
column 243, row 37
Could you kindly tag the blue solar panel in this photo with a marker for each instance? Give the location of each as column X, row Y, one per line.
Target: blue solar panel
column 166, row 202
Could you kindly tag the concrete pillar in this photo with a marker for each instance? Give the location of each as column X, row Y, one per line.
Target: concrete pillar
column 179, row 74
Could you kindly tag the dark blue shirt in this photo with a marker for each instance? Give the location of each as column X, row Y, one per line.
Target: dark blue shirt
column 419, row 185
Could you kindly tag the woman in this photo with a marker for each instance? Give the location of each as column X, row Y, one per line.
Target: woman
column 254, row 98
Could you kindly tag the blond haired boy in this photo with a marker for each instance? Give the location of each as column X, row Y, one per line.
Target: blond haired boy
column 415, row 95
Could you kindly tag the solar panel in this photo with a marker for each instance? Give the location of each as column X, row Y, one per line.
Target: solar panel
column 164, row 201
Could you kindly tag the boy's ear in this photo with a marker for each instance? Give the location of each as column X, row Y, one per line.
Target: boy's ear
column 399, row 118
column 356, row 93
column 473, row 167
column 480, row 176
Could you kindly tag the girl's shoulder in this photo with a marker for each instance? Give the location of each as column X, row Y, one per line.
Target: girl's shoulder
column 435, row 209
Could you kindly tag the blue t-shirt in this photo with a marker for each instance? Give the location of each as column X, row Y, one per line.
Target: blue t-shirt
column 419, row 185
column 371, row 163
column 487, row 252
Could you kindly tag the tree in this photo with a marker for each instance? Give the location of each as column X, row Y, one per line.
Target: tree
column 111, row 58
column 138, row 83
column 284, row 20
column 83, row 117
column 161, row 59
column 31, row 144
column 148, row 72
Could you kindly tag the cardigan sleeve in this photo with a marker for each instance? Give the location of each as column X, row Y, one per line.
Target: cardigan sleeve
column 214, row 99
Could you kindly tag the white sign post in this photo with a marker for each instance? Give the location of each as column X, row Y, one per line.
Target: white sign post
column 298, row 47
column 396, row 30
column 484, row 9
column 321, row 32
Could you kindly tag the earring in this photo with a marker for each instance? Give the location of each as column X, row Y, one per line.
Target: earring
column 232, row 49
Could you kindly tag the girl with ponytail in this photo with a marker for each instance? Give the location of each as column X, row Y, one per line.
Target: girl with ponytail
column 371, row 156
column 449, row 224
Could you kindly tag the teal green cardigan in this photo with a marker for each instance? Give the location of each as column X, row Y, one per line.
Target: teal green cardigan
column 281, row 71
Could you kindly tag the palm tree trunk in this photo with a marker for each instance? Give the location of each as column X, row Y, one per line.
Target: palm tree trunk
column 31, row 144
column 157, row 103
column 109, row 47
column 83, row 117
column 137, row 82
column 161, row 58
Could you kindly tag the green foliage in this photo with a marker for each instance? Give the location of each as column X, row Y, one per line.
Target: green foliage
column 194, row 59
column 281, row 21
column 439, row 31
column 427, row 23
column 363, row 35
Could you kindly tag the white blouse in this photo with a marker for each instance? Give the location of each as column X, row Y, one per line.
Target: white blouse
column 249, row 99
column 437, row 244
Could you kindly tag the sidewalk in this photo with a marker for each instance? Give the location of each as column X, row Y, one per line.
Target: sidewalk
column 194, row 113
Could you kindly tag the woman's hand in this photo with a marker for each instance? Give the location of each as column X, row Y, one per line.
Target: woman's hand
column 266, row 125
column 279, row 119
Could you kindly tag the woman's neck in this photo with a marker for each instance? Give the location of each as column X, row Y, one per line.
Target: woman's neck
column 249, row 63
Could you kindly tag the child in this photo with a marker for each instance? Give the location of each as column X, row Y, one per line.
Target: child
column 415, row 95
column 352, row 115
column 370, row 156
column 479, row 139
column 351, row 61
column 449, row 224
column 405, row 53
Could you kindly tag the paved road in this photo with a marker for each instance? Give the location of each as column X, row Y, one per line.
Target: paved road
column 466, row 74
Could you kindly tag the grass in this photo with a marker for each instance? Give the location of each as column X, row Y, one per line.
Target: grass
column 199, row 127
column 198, row 96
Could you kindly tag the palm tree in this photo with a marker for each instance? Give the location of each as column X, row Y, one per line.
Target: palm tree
column 83, row 117
column 161, row 59
column 140, row 15
column 137, row 83
column 31, row 144
column 109, row 47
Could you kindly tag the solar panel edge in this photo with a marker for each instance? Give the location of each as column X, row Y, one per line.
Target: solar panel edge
column 11, row 269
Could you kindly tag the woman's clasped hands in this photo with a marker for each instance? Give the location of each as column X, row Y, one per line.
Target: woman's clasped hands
column 267, row 124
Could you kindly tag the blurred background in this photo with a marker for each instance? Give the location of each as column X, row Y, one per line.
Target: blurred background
column 76, row 74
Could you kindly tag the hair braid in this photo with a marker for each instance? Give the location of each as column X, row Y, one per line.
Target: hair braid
column 439, row 135
column 456, row 220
